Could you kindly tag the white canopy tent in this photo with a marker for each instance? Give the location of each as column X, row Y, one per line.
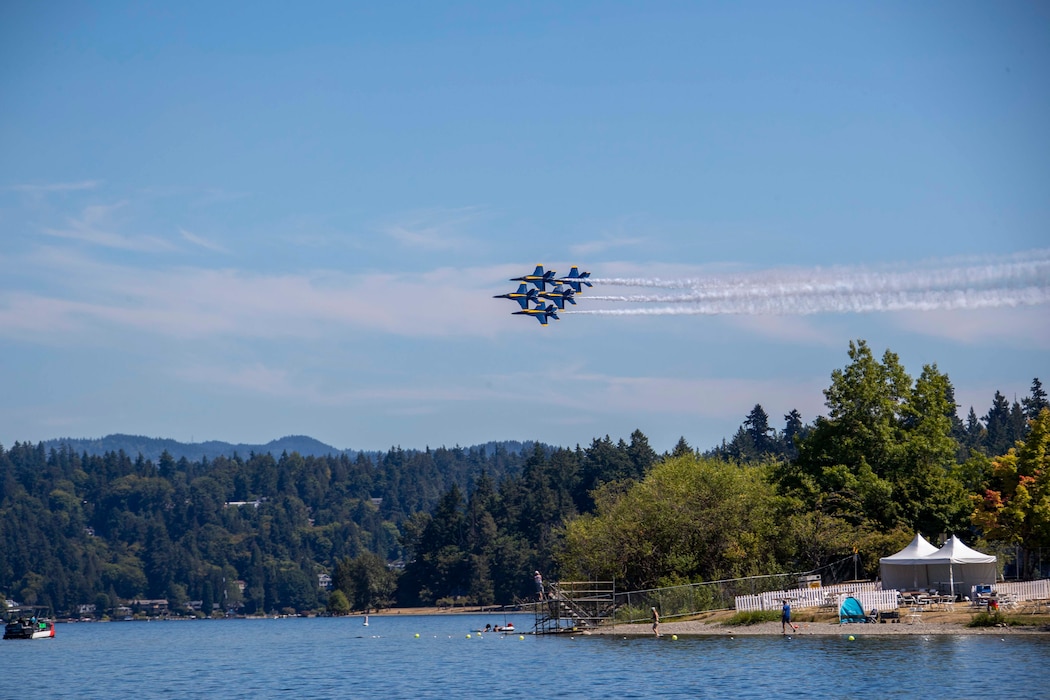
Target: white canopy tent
column 906, row 570
column 954, row 567
column 965, row 567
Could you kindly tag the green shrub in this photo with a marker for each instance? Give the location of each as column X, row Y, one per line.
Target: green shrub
column 997, row 618
column 631, row 614
column 985, row 619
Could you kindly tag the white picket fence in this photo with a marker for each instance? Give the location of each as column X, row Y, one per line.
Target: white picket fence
column 871, row 596
column 1021, row 590
column 815, row 597
column 877, row 600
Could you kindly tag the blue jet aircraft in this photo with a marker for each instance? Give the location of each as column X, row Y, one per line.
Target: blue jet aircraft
column 540, row 313
column 559, row 295
column 539, row 278
column 576, row 279
column 523, row 296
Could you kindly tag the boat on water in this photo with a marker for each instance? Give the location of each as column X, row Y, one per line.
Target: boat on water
column 28, row 624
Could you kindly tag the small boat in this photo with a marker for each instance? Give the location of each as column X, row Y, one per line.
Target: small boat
column 366, row 621
column 33, row 627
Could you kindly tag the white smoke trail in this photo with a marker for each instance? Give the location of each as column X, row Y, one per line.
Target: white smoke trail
column 846, row 303
column 1033, row 269
column 1018, row 280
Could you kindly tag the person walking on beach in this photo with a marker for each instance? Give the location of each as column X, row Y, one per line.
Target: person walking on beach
column 656, row 621
column 785, row 618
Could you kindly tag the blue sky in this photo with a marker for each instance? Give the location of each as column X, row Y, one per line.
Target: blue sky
column 238, row 221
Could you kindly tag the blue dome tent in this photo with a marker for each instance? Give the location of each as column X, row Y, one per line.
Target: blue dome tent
column 851, row 611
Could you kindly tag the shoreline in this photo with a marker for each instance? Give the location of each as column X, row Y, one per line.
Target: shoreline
column 808, row 624
column 713, row 624
column 814, row 629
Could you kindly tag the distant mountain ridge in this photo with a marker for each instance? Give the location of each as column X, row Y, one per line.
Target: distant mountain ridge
column 152, row 448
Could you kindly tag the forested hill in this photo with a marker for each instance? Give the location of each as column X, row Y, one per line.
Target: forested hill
column 152, row 448
column 256, row 531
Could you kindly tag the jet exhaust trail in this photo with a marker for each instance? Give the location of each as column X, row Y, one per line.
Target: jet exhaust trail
column 845, row 303
column 1020, row 280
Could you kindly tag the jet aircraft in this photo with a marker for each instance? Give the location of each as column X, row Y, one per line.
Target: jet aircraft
column 559, row 295
column 540, row 313
column 539, row 278
column 576, row 280
column 523, row 296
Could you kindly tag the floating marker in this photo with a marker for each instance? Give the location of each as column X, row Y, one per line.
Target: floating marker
column 851, row 637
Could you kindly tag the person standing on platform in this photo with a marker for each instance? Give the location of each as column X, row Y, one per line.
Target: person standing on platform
column 539, row 585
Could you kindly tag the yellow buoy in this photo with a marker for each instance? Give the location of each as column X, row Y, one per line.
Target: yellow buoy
column 851, row 637
column 417, row 635
column 674, row 637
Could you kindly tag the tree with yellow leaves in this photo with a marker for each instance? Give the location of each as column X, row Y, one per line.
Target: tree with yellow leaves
column 1015, row 505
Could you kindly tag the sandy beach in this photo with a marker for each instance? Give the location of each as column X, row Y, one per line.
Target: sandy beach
column 954, row 623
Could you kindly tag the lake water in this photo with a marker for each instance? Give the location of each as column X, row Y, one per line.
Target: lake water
column 340, row 658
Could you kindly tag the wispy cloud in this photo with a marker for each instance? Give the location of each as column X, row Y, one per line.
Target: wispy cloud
column 84, row 293
column 434, row 230
column 202, row 242
column 95, row 226
column 56, row 187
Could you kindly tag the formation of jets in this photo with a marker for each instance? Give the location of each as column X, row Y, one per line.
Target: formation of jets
column 547, row 302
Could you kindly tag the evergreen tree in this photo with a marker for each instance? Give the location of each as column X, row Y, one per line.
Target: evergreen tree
column 681, row 448
column 883, row 456
column 742, row 447
column 1018, row 423
column 999, row 435
column 761, row 434
column 976, row 435
column 1036, row 400
column 641, row 454
column 794, row 430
